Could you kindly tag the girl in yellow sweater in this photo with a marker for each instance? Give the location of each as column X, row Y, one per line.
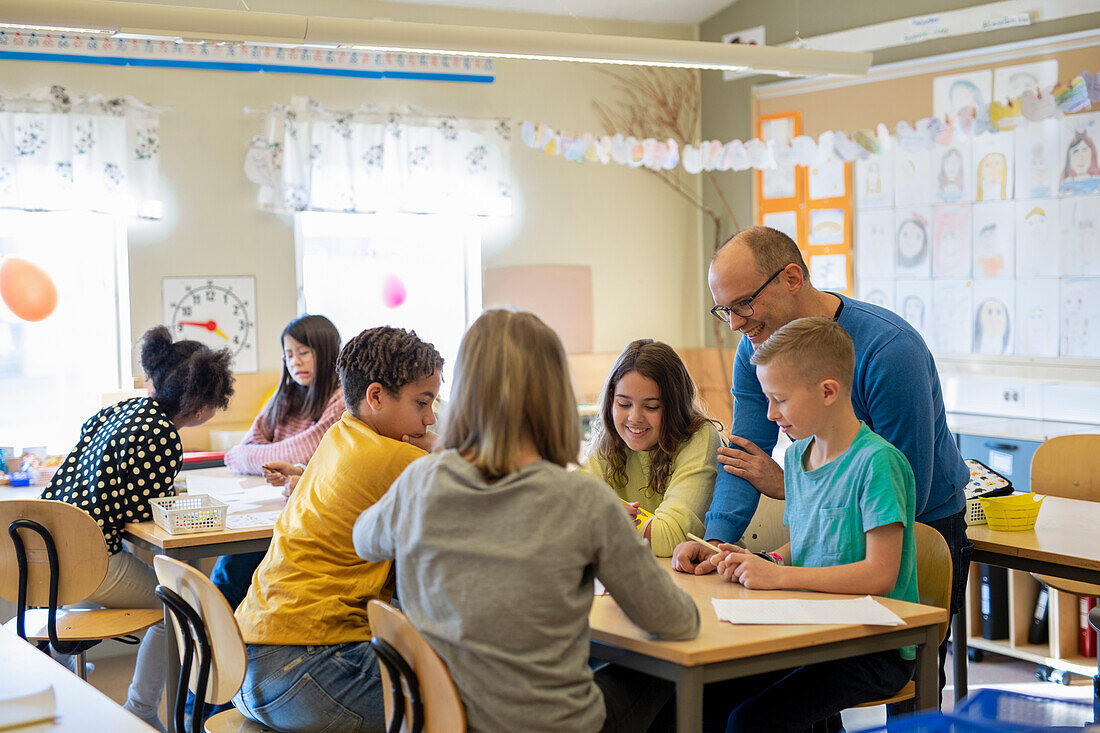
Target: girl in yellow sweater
column 654, row 446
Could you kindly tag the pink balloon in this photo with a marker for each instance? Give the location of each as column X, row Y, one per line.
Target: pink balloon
column 393, row 291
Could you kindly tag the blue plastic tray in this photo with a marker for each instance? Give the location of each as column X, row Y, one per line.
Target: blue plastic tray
column 934, row 723
column 1018, row 712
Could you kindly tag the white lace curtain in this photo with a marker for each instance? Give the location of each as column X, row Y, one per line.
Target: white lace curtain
column 312, row 159
column 88, row 154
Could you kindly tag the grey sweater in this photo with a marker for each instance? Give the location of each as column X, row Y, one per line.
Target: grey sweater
column 498, row 578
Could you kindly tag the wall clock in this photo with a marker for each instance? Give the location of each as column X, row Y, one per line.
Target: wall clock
column 218, row 311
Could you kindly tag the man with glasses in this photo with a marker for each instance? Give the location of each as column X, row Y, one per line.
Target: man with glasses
column 760, row 283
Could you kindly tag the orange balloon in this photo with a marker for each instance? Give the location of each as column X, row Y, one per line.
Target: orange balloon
column 27, row 289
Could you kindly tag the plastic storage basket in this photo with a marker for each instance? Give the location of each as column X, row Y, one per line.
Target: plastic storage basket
column 1014, row 711
column 974, row 512
column 1014, row 513
column 186, row 514
column 934, row 723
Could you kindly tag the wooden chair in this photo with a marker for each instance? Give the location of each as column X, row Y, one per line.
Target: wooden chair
column 934, row 575
column 423, row 697
column 1068, row 466
column 196, row 606
column 58, row 556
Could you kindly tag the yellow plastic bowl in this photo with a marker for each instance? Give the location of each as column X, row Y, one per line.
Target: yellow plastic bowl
column 1015, row 513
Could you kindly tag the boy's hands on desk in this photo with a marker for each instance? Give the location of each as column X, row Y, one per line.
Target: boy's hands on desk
column 747, row 461
column 693, row 558
column 738, row 565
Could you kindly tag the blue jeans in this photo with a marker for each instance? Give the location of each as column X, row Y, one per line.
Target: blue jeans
column 953, row 529
column 233, row 574
column 310, row 689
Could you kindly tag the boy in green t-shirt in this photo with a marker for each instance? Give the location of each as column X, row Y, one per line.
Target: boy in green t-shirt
column 849, row 506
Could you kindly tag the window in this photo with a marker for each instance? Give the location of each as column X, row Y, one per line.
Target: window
column 414, row 271
column 52, row 372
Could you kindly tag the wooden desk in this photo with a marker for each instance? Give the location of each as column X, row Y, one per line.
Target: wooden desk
column 80, row 707
column 724, row 651
column 190, row 547
column 1064, row 544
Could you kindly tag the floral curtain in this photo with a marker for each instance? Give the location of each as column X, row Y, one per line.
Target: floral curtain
column 89, row 153
column 312, row 159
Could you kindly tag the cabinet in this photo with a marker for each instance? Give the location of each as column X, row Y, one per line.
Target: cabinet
column 1061, row 650
column 1007, row 456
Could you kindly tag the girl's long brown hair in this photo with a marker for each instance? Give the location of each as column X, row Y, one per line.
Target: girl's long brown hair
column 681, row 415
column 511, row 376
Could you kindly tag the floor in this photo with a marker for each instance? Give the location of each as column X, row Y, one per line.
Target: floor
column 112, row 676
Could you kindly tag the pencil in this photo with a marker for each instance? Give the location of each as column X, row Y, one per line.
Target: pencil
column 703, row 542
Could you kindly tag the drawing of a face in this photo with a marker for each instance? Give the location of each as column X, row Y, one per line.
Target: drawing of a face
column 952, row 164
column 1035, row 224
column 1021, row 82
column 1036, row 329
column 964, row 94
column 1038, row 163
column 991, row 327
column 992, row 170
column 1079, row 158
column 913, row 311
column 877, row 297
column 912, row 242
column 987, row 240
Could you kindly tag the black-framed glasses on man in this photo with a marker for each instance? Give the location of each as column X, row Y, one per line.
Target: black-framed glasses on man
column 742, row 308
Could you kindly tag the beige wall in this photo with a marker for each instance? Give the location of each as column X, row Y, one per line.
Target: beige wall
column 641, row 241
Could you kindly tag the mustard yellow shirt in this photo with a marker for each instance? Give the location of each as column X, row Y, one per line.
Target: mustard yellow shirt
column 312, row 588
column 683, row 505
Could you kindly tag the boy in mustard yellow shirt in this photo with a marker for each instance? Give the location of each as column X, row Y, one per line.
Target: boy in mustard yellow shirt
column 304, row 620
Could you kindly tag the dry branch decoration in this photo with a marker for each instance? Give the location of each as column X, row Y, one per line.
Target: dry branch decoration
column 665, row 103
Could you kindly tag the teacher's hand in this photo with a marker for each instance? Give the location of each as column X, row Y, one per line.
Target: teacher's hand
column 747, row 461
column 691, row 557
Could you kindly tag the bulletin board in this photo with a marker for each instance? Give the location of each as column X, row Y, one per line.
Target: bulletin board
column 1042, row 300
column 812, row 205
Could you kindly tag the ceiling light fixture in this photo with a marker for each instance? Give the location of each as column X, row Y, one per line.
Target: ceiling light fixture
column 398, row 36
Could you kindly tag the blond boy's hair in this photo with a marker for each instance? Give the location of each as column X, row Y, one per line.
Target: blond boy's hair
column 511, row 376
column 817, row 348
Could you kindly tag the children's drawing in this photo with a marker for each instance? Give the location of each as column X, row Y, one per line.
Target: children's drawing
column 994, row 240
column 951, row 241
column 778, row 183
column 829, row 272
column 875, row 181
column 951, row 329
column 1038, row 238
column 827, row 226
column 958, row 91
column 912, row 177
column 877, row 292
column 1081, row 168
column 1080, row 318
column 992, row 318
column 1009, row 82
column 1036, row 318
column 875, row 244
column 827, row 180
column 912, row 242
column 1038, row 153
column 950, row 184
column 1081, row 237
column 784, row 221
column 914, row 303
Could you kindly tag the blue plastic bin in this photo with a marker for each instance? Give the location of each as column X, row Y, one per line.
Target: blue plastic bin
column 1014, row 711
column 934, row 723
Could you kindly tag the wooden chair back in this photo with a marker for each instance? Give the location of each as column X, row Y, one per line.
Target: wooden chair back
column 78, row 540
column 934, row 570
column 1068, row 466
column 228, row 661
column 443, row 711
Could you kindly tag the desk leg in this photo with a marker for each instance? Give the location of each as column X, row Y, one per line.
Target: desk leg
column 958, row 651
column 689, row 700
column 927, row 674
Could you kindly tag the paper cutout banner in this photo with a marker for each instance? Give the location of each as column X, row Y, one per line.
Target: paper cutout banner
column 1077, row 95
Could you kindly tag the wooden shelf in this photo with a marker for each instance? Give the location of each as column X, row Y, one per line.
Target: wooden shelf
column 1037, row 653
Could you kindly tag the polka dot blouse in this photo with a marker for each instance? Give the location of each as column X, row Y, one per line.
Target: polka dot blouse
column 128, row 453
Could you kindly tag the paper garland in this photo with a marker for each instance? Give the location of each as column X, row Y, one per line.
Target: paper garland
column 1077, row 95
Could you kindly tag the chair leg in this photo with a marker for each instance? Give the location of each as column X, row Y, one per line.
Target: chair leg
column 905, row 707
column 82, row 665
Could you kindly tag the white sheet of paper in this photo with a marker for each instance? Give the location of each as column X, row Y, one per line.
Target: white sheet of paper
column 198, row 483
column 245, row 521
column 864, row 610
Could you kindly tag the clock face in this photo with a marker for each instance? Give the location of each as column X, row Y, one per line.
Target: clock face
column 219, row 312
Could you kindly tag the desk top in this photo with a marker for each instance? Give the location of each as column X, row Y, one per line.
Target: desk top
column 154, row 535
column 1065, row 533
column 720, row 641
column 80, row 707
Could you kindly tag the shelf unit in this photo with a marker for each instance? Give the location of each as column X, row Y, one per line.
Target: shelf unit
column 1061, row 650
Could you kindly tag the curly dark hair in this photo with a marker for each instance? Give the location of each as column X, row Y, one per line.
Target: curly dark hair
column 393, row 357
column 187, row 376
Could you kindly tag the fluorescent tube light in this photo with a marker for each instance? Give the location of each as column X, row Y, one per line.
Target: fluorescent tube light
column 51, row 28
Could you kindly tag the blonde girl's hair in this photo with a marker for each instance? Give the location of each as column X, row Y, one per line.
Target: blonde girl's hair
column 681, row 415
column 511, row 376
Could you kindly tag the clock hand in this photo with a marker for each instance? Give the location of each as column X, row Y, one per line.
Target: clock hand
column 208, row 325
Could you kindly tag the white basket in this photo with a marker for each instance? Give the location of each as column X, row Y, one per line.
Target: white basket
column 974, row 512
column 191, row 513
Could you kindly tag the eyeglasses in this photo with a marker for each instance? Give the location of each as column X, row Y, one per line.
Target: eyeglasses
column 742, row 308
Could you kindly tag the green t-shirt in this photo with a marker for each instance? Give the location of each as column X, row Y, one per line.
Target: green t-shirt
column 830, row 509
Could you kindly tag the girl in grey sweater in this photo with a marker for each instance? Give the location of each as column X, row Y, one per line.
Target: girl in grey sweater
column 497, row 545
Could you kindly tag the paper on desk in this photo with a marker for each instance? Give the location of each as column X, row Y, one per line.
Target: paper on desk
column 23, row 702
column 864, row 610
column 247, row 521
column 233, row 490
